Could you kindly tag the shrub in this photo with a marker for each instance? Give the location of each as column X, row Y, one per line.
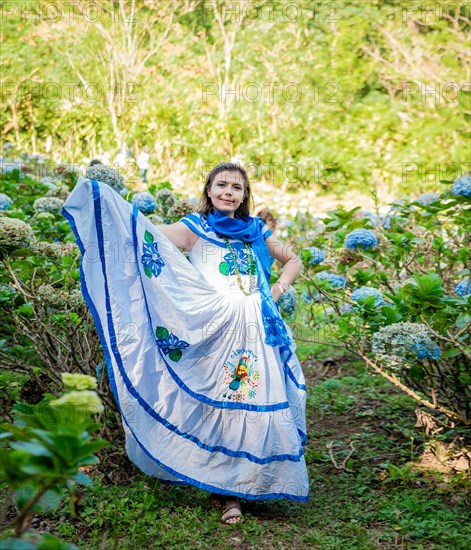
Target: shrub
column 46, row 449
column 410, row 321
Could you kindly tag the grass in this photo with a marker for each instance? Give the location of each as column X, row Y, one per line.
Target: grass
column 380, row 500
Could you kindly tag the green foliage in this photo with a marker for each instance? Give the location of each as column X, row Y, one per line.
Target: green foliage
column 360, row 91
column 416, row 265
column 47, row 446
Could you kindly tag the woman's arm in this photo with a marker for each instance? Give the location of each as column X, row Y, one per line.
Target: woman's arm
column 179, row 234
column 292, row 264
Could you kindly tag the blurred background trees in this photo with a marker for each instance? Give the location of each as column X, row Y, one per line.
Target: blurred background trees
column 324, row 95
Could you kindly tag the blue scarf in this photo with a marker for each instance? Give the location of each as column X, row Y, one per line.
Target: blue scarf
column 248, row 229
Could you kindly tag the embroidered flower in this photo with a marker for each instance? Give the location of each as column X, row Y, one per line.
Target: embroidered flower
column 170, row 344
column 151, row 259
column 242, row 260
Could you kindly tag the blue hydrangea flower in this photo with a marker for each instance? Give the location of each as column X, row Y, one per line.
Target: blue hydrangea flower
column 144, row 202
column 361, row 238
column 400, row 345
column 105, row 174
column 463, row 288
column 334, row 280
column 426, row 349
column 307, row 298
column 426, row 199
column 288, row 300
column 317, row 255
column 462, row 187
column 370, row 216
column 5, row 201
column 363, row 292
column 47, row 204
column 151, row 259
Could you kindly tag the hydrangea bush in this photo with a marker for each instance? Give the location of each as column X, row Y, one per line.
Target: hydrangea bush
column 48, row 204
column 105, row 174
column 398, row 293
column 144, row 202
column 47, row 326
column 288, row 301
column 361, row 238
column 5, row 201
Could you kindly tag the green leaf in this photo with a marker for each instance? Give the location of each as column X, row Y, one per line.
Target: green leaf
column 148, row 272
column 463, row 320
column 452, row 352
column 32, row 447
column 148, row 237
column 390, row 314
column 224, row 268
column 26, row 309
column 49, row 501
column 417, row 373
column 17, row 544
column 82, row 479
column 175, row 354
column 161, row 333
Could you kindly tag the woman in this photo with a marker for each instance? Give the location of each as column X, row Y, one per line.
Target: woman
column 202, row 366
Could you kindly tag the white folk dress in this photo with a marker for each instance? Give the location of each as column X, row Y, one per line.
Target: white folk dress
column 204, row 400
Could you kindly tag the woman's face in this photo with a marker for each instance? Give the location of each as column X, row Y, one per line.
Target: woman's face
column 227, row 192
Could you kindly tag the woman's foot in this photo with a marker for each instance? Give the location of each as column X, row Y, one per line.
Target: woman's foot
column 233, row 511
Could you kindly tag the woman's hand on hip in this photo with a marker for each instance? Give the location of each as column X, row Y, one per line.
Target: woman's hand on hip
column 276, row 292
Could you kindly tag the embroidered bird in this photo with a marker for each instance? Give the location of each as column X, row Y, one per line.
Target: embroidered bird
column 242, row 371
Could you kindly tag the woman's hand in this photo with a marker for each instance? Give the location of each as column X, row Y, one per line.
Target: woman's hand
column 276, row 291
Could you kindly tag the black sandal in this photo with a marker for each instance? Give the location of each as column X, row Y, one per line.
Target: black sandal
column 232, row 507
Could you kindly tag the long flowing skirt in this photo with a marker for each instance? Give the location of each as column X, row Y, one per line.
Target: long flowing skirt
column 204, row 400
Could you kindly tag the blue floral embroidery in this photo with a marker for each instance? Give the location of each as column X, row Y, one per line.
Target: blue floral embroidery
column 242, row 261
column 151, row 258
column 204, row 223
column 170, row 344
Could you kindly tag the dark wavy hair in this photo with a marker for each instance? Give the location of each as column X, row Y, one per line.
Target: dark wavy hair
column 206, row 205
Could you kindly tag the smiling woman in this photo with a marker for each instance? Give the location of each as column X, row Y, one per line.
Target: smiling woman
column 211, row 394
